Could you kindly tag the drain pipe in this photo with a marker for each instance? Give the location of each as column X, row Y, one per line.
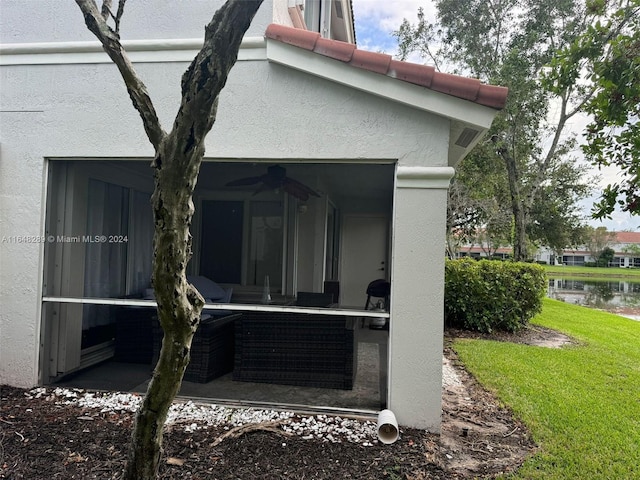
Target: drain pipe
column 387, row 427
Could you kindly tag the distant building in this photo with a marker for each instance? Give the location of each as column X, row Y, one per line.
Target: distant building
column 626, row 246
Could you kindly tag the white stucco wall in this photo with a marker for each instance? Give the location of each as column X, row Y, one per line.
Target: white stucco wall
column 266, row 111
column 417, row 292
column 26, row 21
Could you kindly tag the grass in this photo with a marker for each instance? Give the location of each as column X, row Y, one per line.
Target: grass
column 601, row 272
column 581, row 403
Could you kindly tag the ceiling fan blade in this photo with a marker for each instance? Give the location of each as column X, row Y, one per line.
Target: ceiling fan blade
column 276, row 178
column 298, row 189
column 246, row 181
column 261, row 188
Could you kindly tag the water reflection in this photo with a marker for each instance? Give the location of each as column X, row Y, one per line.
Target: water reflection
column 607, row 295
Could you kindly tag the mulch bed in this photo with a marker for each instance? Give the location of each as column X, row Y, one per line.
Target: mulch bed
column 40, row 439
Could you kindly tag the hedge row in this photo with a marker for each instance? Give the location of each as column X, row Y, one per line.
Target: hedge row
column 485, row 296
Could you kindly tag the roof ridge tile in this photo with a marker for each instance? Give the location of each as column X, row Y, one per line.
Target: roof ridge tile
column 374, row 62
column 293, row 36
column 412, row 72
column 342, row 51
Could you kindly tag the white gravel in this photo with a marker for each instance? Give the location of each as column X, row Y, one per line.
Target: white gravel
column 450, row 377
column 196, row 416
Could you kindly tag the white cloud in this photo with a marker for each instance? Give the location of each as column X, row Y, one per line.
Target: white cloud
column 377, row 19
column 391, row 14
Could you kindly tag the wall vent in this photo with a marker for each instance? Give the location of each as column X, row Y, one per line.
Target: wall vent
column 466, row 137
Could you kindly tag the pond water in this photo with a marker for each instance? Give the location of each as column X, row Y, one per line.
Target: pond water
column 615, row 295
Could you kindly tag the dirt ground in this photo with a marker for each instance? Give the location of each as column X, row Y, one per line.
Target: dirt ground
column 43, row 439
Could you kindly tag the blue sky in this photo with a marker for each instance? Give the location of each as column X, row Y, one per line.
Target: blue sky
column 375, row 21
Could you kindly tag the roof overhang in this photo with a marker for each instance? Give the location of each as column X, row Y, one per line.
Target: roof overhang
column 469, row 121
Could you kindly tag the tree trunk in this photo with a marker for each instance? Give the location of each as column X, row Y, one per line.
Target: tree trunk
column 519, row 217
column 179, row 303
column 177, row 163
column 517, row 204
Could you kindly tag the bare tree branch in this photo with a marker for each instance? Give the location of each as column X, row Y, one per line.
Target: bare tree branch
column 207, row 74
column 137, row 89
column 106, row 9
column 119, row 16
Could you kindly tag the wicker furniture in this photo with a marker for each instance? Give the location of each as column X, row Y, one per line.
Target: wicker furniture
column 212, row 348
column 295, row 349
column 314, row 299
column 134, row 334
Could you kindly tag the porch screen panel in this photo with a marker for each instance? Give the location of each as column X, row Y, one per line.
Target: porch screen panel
column 265, row 243
column 105, row 261
column 221, row 243
column 140, row 243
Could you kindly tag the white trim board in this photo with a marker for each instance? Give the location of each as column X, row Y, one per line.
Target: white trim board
column 238, row 307
column 139, row 51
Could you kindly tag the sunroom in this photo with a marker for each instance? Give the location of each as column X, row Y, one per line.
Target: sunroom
column 285, row 271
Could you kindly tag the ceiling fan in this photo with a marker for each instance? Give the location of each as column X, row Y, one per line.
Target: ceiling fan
column 276, row 178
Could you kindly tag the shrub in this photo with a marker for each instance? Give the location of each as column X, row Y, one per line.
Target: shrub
column 486, row 296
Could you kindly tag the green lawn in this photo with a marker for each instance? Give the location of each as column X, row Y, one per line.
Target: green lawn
column 566, row 272
column 581, row 403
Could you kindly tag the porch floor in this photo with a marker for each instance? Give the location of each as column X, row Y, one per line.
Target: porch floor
column 365, row 395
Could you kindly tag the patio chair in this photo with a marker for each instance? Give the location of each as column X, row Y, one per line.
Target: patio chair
column 314, row 299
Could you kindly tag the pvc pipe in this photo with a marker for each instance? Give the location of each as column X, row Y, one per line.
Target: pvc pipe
column 388, row 431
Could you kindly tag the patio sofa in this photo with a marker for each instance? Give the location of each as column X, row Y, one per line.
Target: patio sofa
column 212, row 347
column 134, row 340
column 308, row 350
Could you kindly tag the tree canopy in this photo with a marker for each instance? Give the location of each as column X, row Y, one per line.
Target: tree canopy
column 605, row 58
column 528, row 150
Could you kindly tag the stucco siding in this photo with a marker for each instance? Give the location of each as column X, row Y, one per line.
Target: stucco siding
column 267, row 111
column 297, row 112
column 62, row 21
column 415, row 355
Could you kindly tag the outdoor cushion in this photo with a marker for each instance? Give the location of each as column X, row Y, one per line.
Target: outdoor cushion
column 209, row 289
column 225, row 298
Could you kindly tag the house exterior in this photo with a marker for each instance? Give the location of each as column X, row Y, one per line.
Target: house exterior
column 377, row 139
column 626, row 246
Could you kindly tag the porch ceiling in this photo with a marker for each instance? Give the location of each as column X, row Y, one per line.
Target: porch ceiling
column 336, row 179
column 339, row 180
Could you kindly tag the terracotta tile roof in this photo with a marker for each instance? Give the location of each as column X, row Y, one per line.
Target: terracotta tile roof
column 423, row 75
column 627, row 237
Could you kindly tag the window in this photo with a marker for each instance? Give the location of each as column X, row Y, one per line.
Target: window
column 227, row 231
column 577, row 260
column 332, row 245
column 265, row 246
column 331, row 18
column 105, row 263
